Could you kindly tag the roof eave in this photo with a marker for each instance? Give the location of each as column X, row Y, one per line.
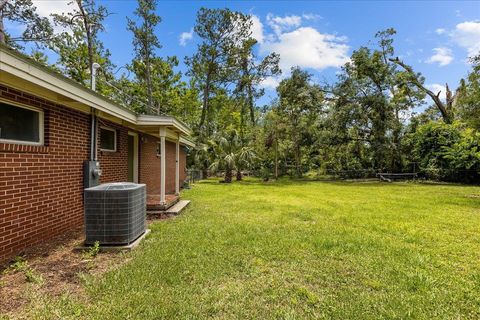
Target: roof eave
column 24, row 67
column 147, row 120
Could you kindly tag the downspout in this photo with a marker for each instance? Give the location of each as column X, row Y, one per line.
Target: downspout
column 93, row 133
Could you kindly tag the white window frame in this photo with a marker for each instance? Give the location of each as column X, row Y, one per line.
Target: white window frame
column 41, row 125
column 159, row 148
column 114, row 139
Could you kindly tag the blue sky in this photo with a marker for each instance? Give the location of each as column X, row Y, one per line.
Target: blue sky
column 435, row 37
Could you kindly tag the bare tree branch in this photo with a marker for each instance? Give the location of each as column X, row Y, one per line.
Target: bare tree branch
column 445, row 110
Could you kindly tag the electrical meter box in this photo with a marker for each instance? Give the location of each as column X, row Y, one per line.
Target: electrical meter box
column 91, row 174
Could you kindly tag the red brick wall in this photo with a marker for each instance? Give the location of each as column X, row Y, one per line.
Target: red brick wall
column 41, row 187
column 183, row 165
column 150, row 165
column 149, row 171
column 114, row 165
column 170, row 167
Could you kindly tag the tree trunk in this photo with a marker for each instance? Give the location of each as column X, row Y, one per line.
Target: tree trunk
column 251, row 104
column 445, row 110
column 396, row 159
column 239, row 175
column 149, row 85
column 297, row 160
column 89, row 37
column 206, row 93
column 276, row 157
column 204, row 174
column 3, row 3
column 228, row 175
column 2, row 31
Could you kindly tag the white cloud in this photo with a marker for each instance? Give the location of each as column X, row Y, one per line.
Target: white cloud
column 443, row 56
column 311, row 16
column 280, row 24
column 440, row 31
column 436, row 88
column 257, row 29
column 298, row 45
column 47, row 7
column 467, row 35
column 185, row 37
column 270, row 82
column 306, row 47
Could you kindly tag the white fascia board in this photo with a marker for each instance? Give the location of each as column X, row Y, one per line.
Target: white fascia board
column 148, row 120
column 186, row 142
column 24, row 69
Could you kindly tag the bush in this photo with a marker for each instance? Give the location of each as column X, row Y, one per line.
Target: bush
column 448, row 152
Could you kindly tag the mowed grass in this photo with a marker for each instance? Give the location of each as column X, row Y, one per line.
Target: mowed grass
column 299, row 250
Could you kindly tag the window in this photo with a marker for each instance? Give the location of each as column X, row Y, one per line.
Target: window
column 108, row 139
column 23, row 125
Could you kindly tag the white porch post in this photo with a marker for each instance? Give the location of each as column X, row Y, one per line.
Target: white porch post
column 162, row 165
column 177, row 166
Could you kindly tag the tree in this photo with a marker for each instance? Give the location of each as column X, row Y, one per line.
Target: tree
column 300, row 104
column 447, row 108
column 80, row 48
column 166, row 84
column 267, row 137
column 244, row 158
column 447, row 151
column 37, row 29
column 145, row 42
column 228, row 154
column 155, row 77
column 469, row 96
column 364, row 124
column 188, row 106
column 252, row 73
column 212, row 66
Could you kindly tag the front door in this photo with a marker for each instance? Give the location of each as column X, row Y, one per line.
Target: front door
column 132, row 157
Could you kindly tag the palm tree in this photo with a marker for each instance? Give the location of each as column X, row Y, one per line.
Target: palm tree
column 203, row 157
column 244, row 158
column 230, row 155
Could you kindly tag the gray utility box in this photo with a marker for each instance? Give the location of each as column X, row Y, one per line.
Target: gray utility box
column 115, row 213
column 91, row 174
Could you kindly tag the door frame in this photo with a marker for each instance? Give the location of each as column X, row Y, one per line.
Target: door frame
column 135, row 155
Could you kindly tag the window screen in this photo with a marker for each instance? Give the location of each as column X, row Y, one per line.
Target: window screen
column 108, row 139
column 19, row 124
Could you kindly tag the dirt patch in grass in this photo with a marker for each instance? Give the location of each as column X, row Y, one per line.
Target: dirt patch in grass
column 53, row 269
column 474, row 196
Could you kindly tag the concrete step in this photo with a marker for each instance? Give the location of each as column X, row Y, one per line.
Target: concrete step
column 178, row 207
column 171, row 211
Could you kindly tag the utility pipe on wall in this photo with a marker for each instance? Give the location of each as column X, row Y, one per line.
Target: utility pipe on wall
column 93, row 133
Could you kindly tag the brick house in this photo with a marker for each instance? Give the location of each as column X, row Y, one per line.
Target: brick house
column 47, row 125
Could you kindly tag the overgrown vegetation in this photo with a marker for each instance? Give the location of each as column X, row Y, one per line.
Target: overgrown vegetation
column 360, row 124
column 21, row 265
column 298, row 250
column 93, row 251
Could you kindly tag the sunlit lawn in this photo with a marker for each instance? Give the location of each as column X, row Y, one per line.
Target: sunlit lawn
column 296, row 250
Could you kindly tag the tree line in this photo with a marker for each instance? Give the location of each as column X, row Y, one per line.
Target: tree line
column 360, row 125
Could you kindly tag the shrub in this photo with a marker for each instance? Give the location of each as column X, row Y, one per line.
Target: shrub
column 447, row 152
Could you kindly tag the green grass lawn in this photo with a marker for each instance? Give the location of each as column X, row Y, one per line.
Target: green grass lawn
column 297, row 250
